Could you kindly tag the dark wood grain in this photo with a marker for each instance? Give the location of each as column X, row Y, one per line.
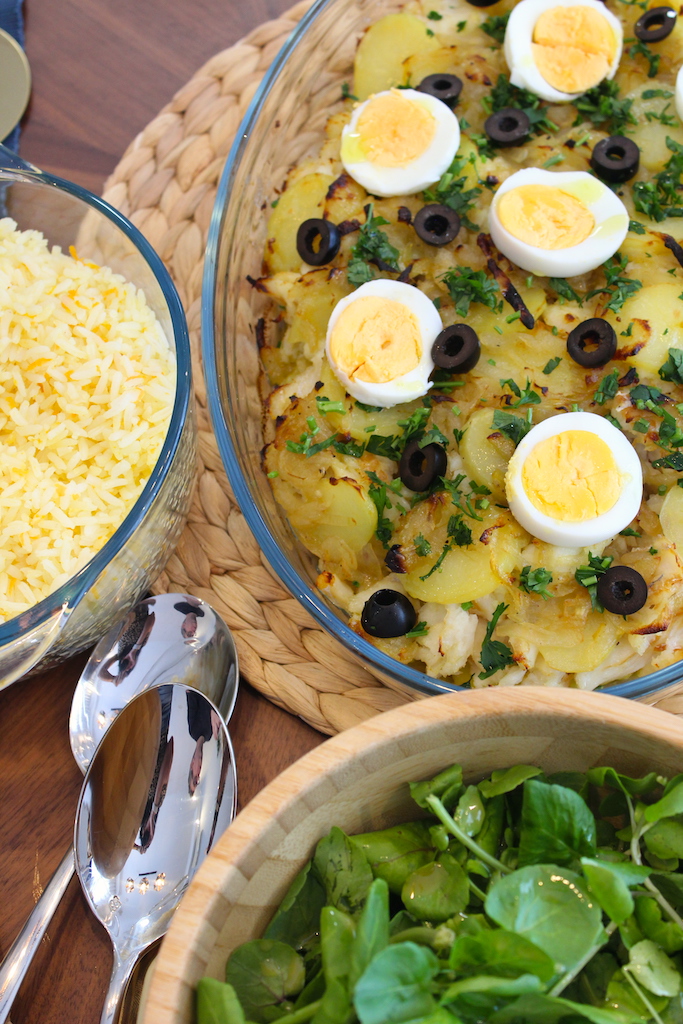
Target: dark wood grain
column 101, row 70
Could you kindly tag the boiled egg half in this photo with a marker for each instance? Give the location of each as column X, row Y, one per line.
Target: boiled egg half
column 398, row 142
column 559, row 51
column 557, row 223
column 379, row 342
column 574, row 480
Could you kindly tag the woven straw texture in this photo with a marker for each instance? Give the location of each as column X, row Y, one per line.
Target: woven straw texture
column 166, row 184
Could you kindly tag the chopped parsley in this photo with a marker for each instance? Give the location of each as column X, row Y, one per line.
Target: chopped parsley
column 552, row 364
column 466, row 286
column 629, row 532
column 504, row 95
column 435, row 16
column 644, row 397
column 378, row 495
column 603, row 107
column 422, row 545
column 628, row 332
column 653, row 551
column 422, row 629
column 494, row 653
column 458, row 534
column 461, row 26
column 495, row 26
column 641, row 49
column 526, row 397
column 653, row 94
column 450, row 191
column 346, row 95
column 672, row 369
column 617, row 285
column 660, row 198
column 564, row 290
column 670, row 433
column 372, row 245
column 607, row 388
column 514, row 427
column 273, row 473
column 535, row 581
column 636, row 227
column 325, row 405
column 641, row 426
column 673, row 461
column 369, row 408
column 464, row 501
column 662, row 116
column 588, row 576
column 414, row 427
column 553, row 160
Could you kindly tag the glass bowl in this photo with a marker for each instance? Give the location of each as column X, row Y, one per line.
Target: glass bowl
column 285, row 123
column 84, row 608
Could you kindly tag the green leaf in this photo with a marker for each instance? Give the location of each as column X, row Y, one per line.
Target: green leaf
column 665, row 839
column 469, row 814
column 298, row 916
column 344, row 871
column 549, row 906
column 610, row 881
column 394, row 853
column 494, row 655
column 436, row 891
column 447, row 781
column 557, row 826
column 652, row 969
column 522, row 985
column 499, row 952
column 337, row 934
column 607, row 776
column 666, row 934
column 668, row 806
column 396, row 987
column 514, row 427
column 670, row 885
column 372, row 934
column 672, row 369
column 466, row 286
column 538, row 1009
column 264, row 974
column 217, row 1003
column 504, row 780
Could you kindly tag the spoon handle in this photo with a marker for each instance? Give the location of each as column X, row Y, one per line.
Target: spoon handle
column 121, row 972
column 21, row 953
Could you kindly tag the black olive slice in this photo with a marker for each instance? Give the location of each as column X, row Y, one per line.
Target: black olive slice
column 388, row 613
column 655, row 25
column 482, row 3
column 419, row 467
column 457, row 349
column 436, row 224
column 592, row 343
column 622, row 590
column 507, row 127
column 328, row 240
column 615, row 159
column 446, row 88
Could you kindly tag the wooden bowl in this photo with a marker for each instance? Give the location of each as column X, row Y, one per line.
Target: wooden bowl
column 357, row 780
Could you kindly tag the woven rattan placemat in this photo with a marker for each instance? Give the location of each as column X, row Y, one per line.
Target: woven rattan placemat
column 166, row 183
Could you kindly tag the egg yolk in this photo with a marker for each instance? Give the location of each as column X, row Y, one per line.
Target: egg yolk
column 573, row 47
column 545, row 216
column 393, row 131
column 375, row 340
column 572, row 476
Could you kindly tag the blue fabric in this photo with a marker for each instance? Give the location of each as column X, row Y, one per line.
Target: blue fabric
column 12, row 21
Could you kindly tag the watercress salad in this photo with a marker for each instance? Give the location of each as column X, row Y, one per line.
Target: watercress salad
column 525, row 899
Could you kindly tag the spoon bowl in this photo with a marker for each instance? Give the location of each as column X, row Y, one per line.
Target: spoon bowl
column 159, row 791
column 163, row 639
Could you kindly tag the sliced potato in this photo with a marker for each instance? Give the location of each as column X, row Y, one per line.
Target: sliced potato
column 379, row 63
column 486, row 453
column 340, row 511
column 299, row 202
column 671, row 517
column 660, row 309
column 598, row 640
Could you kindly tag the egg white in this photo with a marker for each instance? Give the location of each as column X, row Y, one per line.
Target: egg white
column 679, row 93
column 519, row 37
column 610, row 215
column 418, row 174
column 407, row 386
column 590, row 531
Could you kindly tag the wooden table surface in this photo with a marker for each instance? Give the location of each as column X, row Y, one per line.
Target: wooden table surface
column 101, row 70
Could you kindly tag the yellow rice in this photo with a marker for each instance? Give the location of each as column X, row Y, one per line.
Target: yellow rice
column 87, row 383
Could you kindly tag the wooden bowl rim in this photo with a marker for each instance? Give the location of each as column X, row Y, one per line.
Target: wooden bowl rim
column 203, row 897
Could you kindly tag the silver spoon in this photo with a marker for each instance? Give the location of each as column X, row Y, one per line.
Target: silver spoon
column 154, row 800
column 168, row 638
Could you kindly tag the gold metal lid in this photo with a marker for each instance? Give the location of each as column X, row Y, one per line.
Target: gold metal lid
column 15, row 83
